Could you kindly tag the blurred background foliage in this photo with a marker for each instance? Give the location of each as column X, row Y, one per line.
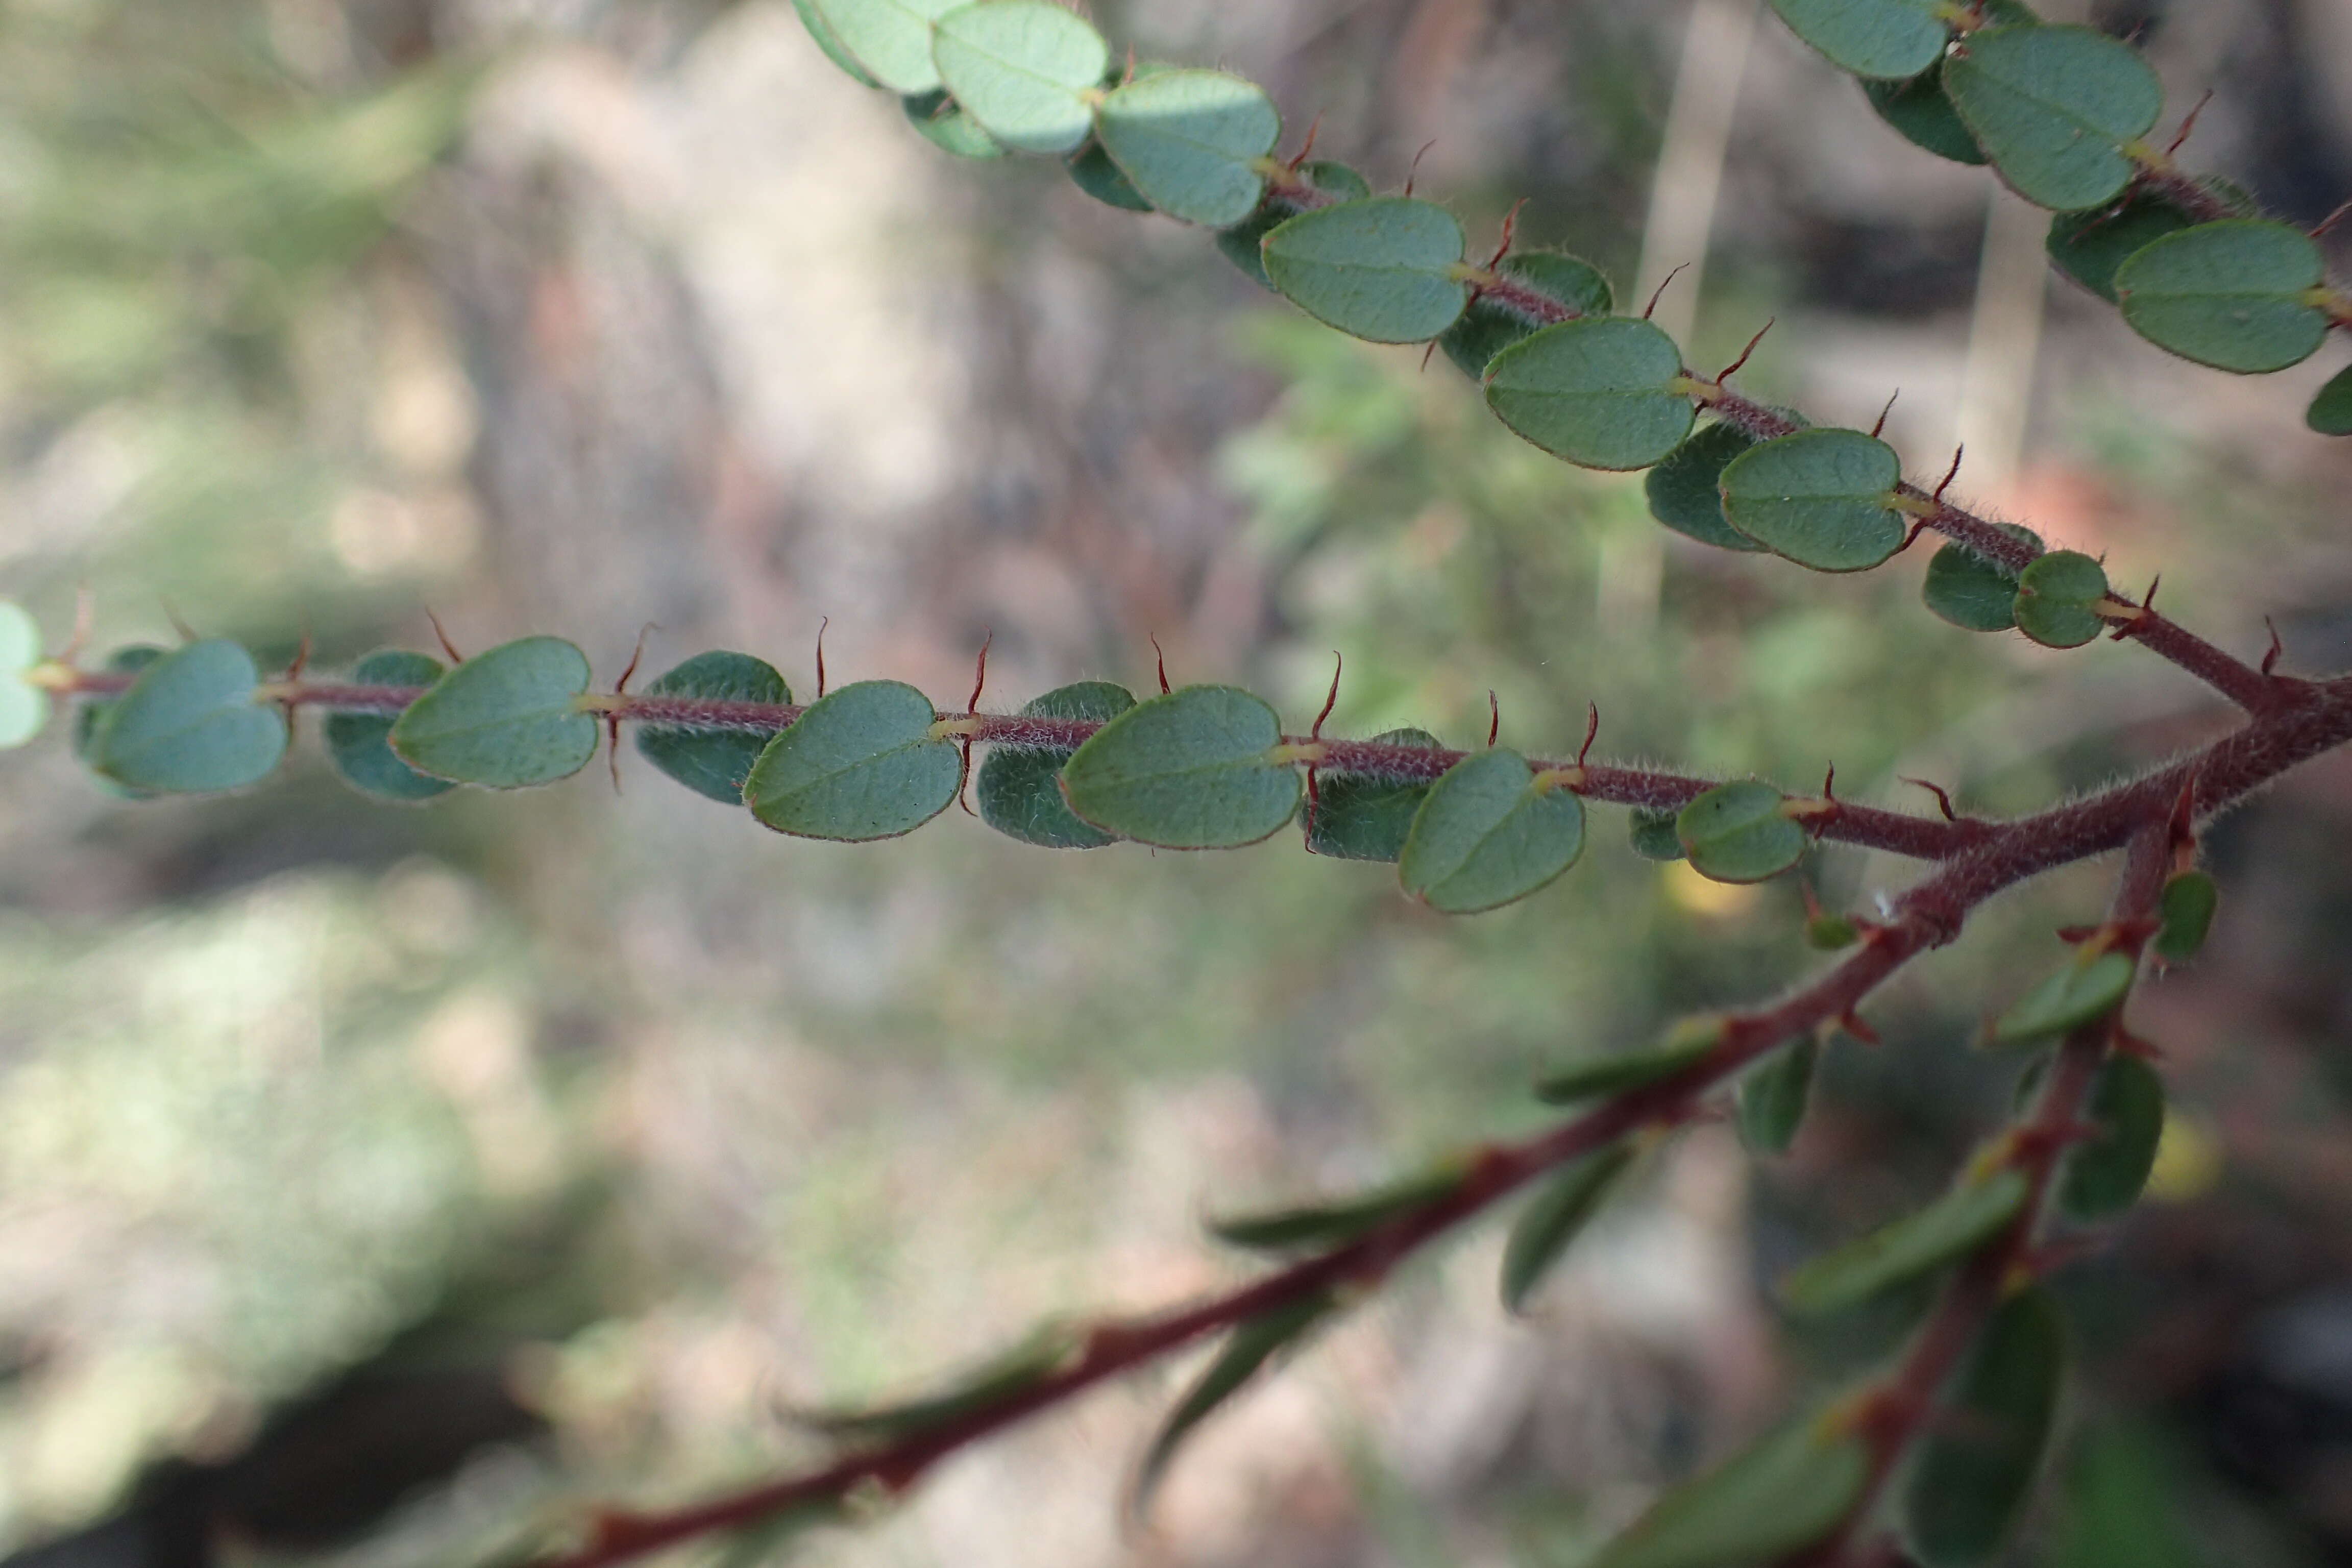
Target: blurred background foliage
column 375, row 1186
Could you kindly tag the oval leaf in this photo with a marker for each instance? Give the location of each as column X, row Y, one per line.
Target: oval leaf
column 1773, row 1098
column 890, row 39
column 1355, row 816
column 1382, row 269
column 1552, row 1219
column 190, row 723
column 1024, row 69
column 1246, row 1350
column 1684, row 490
column 1950, row 1227
column 946, row 126
column 1870, row 37
column 1493, row 322
column 506, row 719
column 2237, row 295
column 1192, row 770
column 1972, row 592
column 710, row 761
column 1020, row 787
column 862, row 763
column 92, row 711
column 2104, row 1175
column 2084, row 991
column 1782, row 1495
column 1326, row 1225
column 1240, row 244
column 1652, row 835
column 1600, row 392
column 23, row 708
column 2054, row 596
column 2053, row 109
column 835, row 50
column 1821, row 498
column 2330, row 413
column 1985, row 1442
column 2089, row 246
column 1093, row 172
column 1737, row 833
column 1190, row 142
column 1922, row 111
column 360, row 744
column 1492, row 830
column 2184, row 909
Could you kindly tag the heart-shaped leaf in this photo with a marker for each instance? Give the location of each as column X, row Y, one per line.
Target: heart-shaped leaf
column 1822, row 498
column 1240, row 244
column 2103, row 1174
column 23, row 708
column 2088, row 987
column 1020, row 787
column 2055, row 109
column 1355, row 816
column 1191, row 140
column 1492, row 830
column 1953, row 1225
column 889, row 40
column 1247, row 1348
column 2055, row 594
column 1972, row 592
column 1922, row 111
column 866, row 762
column 1891, row 38
column 1196, row 769
column 1092, row 172
column 1025, row 70
column 1604, row 393
column 2184, row 909
column 2238, row 295
column 506, row 719
column 190, row 723
column 1762, row 1505
column 708, row 761
column 1984, row 1444
column 1653, row 835
column 946, row 126
column 1552, row 1219
column 2330, row 413
column 1684, row 492
column 1492, row 322
column 1739, row 833
column 1321, row 1225
column 2088, row 247
column 1386, row 269
column 1772, row 1099
column 360, row 744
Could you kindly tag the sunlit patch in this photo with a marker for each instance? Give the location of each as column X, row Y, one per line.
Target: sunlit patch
column 2189, row 1161
column 1699, row 895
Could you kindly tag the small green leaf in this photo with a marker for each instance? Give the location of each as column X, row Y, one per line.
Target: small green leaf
column 1922, row 111
column 1684, row 490
column 946, row 126
column 2236, row 295
column 1984, row 1445
column 1190, row 142
column 2330, row 413
column 1594, row 1077
column 1822, row 498
column 1653, row 834
column 2184, row 909
column 1491, row 831
column 862, row 763
column 2054, row 108
column 1355, row 816
column 712, row 761
column 506, row 719
column 2082, row 990
column 1775, row 1498
column 1953, row 1225
column 190, row 723
column 1195, row 769
column 1829, row 933
column 1887, row 38
column 835, row 50
column 1240, row 243
column 1020, row 787
column 1024, row 68
column 2054, row 596
column 1772, row 1099
column 92, row 711
column 1737, row 833
column 891, row 40
column 360, row 744
column 1491, row 324
column 2104, row 1176
column 1092, row 172
column 1318, row 1226
column 1383, row 268
column 1553, row 1217
column 2088, row 247
column 1972, row 592
column 1247, row 1348
column 23, row 708
column 1042, row 1353
column 1602, row 392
